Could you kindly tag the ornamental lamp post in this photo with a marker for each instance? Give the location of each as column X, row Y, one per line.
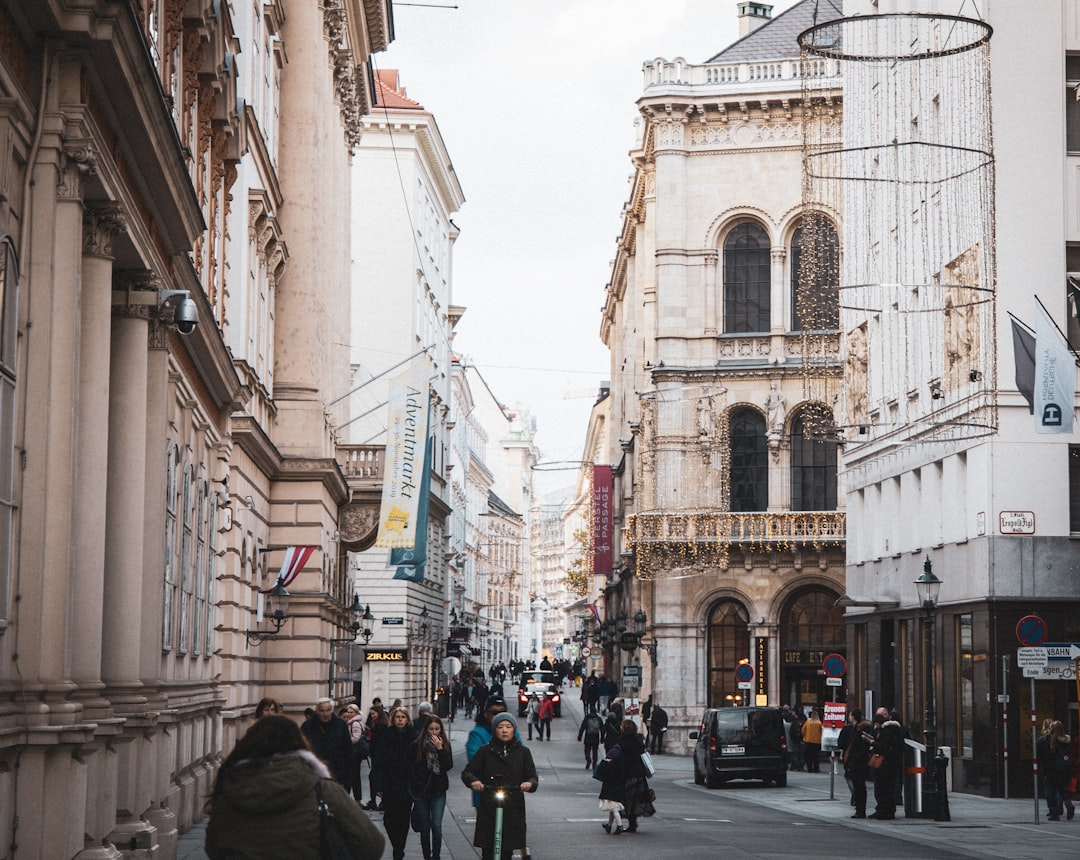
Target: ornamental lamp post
column 928, row 586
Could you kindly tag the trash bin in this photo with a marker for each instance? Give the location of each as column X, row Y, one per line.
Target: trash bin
column 914, row 773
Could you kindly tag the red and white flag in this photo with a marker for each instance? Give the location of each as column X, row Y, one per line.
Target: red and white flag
column 295, row 559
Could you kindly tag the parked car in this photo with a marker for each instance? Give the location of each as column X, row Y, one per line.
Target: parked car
column 740, row 743
column 539, row 681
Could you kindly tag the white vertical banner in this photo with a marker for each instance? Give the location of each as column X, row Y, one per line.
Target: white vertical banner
column 1055, row 377
column 403, row 463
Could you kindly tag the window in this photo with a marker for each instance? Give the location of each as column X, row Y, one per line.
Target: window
column 169, row 593
column 729, row 642
column 813, row 469
column 1072, row 106
column 965, row 684
column 812, row 621
column 201, row 561
column 746, row 279
column 749, row 478
column 815, row 276
column 211, row 578
column 186, row 541
column 1074, row 488
column 9, row 291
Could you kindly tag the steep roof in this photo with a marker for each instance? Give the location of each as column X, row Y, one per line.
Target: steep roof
column 778, row 38
column 389, row 92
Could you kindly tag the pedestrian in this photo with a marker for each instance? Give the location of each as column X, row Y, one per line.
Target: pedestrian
column 590, row 693
column 501, row 772
column 431, row 759
column 612, row 787
column 795, row 741
column 380, row 722
column 857, row 761
column 631, row 747
column 532, row 714
column 888, row 743
column 361, row 747
column 658, row 727
column 329, row 738
column 264, row 804
column 266, row 707
column 396, row 802
column 374, row 711
column 546, row 714
column 481, row 733
column 843, row 740
column 811, row 737
column 606, row 690
column 423, row 711
column 612, row 731
column 590, row 730
column 1055, row 765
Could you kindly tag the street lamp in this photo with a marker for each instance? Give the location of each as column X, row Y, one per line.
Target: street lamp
column 277, row 604
column 928, row 587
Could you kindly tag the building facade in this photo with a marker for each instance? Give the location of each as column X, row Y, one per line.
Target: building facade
column 725, row 359
column 168, row 359
column 995, row 513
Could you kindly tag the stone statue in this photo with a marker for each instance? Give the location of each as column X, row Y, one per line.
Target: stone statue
column 776, row 406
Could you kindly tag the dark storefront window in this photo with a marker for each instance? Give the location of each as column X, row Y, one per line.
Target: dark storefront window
column 747, row 279
column 811, row 628
column 729, row 642
column 965, row 685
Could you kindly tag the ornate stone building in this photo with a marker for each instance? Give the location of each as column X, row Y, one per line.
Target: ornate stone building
column 174, row 257
column 724, row 365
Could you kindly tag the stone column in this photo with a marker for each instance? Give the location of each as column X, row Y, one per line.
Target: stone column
column 126, row 500
column 778, row 289
column 91, row 463
column 711, row 304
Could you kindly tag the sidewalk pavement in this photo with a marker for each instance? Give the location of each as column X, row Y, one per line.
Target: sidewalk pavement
column 980, row 827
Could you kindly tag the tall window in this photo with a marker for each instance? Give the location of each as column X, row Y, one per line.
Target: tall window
column 749, row 479
column 815, row 276
column 746, row 279
column 1072, row 106
column 729, row 642
column 965, row 684
column 1074, row 488
column 9, row 291
column 199, row 613
column 186, row 548
column 813, row 470
column 171, row 508
column 211, row 577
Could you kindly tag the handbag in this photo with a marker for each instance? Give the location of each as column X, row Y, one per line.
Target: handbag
column 876, row 760
column 596, row 773
column 646, row 760
column 332, row 844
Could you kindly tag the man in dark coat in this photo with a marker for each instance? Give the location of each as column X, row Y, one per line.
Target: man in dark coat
column 330, row 740
column 657, row 729
column 889, row 742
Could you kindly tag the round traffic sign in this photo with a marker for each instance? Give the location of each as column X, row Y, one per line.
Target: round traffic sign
column 834, row 665
column 744, row 672
column 586, row 651
column 1031, row 630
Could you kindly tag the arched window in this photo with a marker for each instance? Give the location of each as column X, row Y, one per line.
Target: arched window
column 813, row 621
column 815, row 275
column 813, row 469
column 746, row 279
column 729, row 642
column 749, row 476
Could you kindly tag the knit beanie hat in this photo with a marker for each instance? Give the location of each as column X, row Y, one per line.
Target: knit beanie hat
column 503, row 717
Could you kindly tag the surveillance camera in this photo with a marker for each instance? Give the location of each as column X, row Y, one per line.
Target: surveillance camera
column 186, row 316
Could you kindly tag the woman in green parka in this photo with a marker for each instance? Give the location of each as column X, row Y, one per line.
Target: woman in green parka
column 263, row 803
column 501, row 765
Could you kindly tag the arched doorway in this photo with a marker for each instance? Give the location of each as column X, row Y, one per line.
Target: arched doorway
column 728, row 643
column 811, row 628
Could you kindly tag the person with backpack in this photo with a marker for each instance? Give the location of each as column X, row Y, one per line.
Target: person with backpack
column 546, row 713
column 361, row 743
column 590, row 730
column 532, row 715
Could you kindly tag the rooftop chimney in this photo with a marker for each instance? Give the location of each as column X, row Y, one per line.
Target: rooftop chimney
column 753, row 15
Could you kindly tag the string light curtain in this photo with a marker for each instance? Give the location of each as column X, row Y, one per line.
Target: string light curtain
column 905, row 163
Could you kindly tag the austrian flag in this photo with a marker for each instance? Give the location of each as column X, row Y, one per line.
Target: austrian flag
column 295, row 559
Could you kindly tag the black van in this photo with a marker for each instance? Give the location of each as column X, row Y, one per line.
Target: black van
column 740, row 743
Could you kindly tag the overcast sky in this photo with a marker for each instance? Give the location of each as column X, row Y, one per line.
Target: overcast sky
column 535, row 101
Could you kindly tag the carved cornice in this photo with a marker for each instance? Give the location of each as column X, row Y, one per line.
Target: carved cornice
column 349, row 82
column 77, row 163
column 378, row 25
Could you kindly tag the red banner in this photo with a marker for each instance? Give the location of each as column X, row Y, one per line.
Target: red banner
column 602, row 492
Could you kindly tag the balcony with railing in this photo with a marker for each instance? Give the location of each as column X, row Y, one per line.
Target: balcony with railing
column 697, row 538
column 669, row 74
column 361, row 463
